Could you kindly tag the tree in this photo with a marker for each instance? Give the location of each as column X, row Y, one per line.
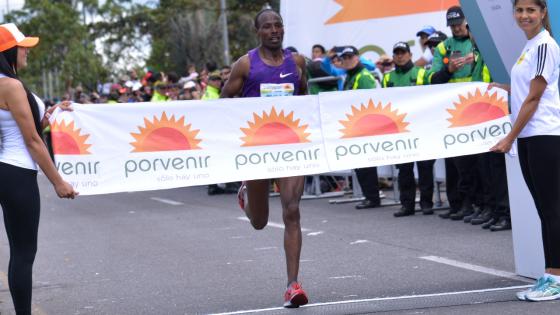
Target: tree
column 188, row 32
column 66, row 51
column 83, row 42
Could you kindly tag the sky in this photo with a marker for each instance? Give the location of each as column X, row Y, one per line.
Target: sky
column 11, row 4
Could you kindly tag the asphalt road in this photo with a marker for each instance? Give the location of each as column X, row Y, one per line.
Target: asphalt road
column 182, row 252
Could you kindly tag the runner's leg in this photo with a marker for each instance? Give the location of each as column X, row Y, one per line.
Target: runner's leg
column 256, row 207
column 291, row 190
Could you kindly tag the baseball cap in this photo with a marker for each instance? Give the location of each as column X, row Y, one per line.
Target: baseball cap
column 215, row 75
column 436, row 38
column 401, row 46
column 455, row 16
column 189, row 85
column 136, row 86
column 427, row 29
column 11, row 36
column 348, row 50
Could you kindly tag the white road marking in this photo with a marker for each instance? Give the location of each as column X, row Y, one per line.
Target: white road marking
column 315, row 233
column 272, row 224
column 359, row 242
column 239, row 262
column 266, row 248
column 346, row 277
column 404, row 297
column 167, row 201
column 481, row 269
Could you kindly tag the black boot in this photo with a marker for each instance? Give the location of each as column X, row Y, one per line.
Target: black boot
column 448, row 214
column 476, row 213
column 404, row 212
column 466, row 210
column 504, row 224
column 215, row 190
column 483, row 217
column 488, row 224
column 368, row 204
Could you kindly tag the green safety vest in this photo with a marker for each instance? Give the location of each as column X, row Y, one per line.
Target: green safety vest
column 414, row 76
column 211, row 93
column 362, row 80
column 157, row 97
column 478, row 71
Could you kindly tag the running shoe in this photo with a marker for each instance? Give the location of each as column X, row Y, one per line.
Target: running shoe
column 522, row 296
column 241, row 195
column 547, row 292
column 294, row 296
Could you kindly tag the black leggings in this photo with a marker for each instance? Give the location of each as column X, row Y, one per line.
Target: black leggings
column 539, row 157
column 19, row 198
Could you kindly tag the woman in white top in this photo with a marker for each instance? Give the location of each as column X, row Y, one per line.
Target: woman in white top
column 535, row 107
column 22, row 117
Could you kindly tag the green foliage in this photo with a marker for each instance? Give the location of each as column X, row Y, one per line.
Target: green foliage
column 179, row 33
column 189, row 32
column 65, row 46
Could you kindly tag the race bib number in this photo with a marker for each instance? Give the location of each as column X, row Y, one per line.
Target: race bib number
column 273, row 89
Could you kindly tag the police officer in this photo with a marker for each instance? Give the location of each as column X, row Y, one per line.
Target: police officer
column 358, row 77
column 407, row 74
column 456, row 60
column 479, row 178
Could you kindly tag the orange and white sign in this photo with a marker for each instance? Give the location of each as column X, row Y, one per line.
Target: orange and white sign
column 389, row 126
column 112, row 148
column 372, row 26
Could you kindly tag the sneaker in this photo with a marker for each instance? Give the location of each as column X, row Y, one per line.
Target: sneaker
column 241, row 195
column 294, row 296
column 522, row 295
column 549, row 291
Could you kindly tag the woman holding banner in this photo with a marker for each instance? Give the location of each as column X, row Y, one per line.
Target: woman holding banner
column 535, row 106
column 22, row 118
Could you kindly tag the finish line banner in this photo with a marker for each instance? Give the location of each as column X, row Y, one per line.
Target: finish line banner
column 110, row 148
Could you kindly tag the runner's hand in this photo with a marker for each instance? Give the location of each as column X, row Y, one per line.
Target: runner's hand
column 65, row 190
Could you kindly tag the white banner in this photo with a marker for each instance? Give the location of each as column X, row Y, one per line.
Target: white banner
column 146, row 146
column 373, row 26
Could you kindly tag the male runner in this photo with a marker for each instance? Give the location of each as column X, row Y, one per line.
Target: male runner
column 265, row 65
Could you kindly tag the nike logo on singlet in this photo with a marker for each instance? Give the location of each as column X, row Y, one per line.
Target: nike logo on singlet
column 282, row 76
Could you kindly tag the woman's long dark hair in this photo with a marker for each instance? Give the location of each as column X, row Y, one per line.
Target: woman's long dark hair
column 8, row 66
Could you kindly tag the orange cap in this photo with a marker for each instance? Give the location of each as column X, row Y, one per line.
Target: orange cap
column 11, row 36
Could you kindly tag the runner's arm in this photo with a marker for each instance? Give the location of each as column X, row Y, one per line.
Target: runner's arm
column 239, row 72
column 300, row 61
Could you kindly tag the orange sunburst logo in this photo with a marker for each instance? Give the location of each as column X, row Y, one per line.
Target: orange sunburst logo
column 165, row 134
column 273, row 128
column 67, row 140
column 373, row 121
column 477, row 108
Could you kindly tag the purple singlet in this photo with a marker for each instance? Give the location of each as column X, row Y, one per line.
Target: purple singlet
column 262, row 75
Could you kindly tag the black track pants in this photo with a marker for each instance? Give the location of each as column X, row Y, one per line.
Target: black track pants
column 539, row 157
column 19, row 198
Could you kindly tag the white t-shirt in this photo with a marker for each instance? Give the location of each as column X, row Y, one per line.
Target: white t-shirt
column 13, row 150
column 540, row 57
column 427, row 55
